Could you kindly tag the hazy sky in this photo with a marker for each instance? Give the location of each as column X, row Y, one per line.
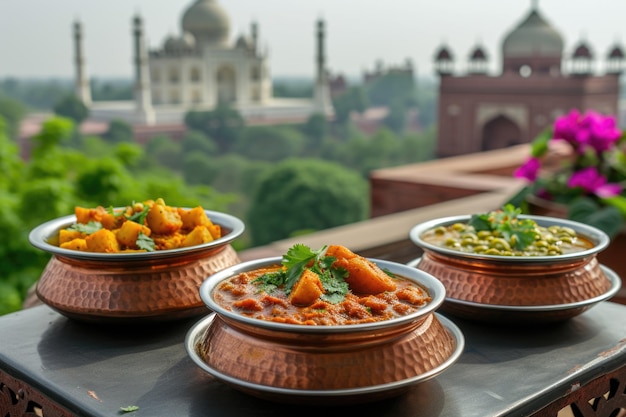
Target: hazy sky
column 36, row 35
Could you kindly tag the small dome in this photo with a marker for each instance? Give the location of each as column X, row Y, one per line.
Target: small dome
column 616, row 53
column 582, row 51
column 534, row 36
column 208, row 22
column 443, row 54
column 243, row 43
column 478, row 54
column 178, row 44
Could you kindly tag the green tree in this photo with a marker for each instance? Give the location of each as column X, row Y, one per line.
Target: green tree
column 12, row 111
column 194, row 141
column 396, row 119
column 353, row 99
column 270, row 143
column 165, row 151
column 119, row 131
column 316, row 129
column 224, row 125
column 73, row 108
column 305, row 194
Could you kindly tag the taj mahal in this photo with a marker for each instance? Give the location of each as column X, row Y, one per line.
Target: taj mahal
column 202, row 68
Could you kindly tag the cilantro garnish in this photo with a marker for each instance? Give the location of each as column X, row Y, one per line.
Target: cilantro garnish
column 129, row 409
column 300, row 257
column 145, row 242
column 520, row 232
column 138, row 217
column 89, row 228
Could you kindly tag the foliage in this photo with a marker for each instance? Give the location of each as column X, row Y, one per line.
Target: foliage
column 119, row 131
column 591, row 179
column 224, row 125
column 38, row 94
column 73, row 108
column 300, row 194
column 195, row 141
column 353, row 99
column 270, row 143
column 12, row 111
column 165, row 151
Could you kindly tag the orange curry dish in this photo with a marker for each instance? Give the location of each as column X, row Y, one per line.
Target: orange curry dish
column 331, row 286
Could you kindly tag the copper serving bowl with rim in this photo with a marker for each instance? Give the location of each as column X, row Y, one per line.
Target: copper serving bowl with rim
column 135, row 286
column 501, row 288
column 324, row 364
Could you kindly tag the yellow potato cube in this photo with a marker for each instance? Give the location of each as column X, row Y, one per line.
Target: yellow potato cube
column 197, row 236
column 127, row 234
column 307, row 290
column 75, row 244
column 163, row 219
column 69, row 235
column 103, row 240
column 193, row 217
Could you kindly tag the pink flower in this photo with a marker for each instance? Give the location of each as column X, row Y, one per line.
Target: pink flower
column 591, row 130
column 529, row 170
column 590, row 180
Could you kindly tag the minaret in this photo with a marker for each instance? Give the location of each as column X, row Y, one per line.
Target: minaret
column 321, row 97
column 82, row 88
column 254, row 32
column 143, row 99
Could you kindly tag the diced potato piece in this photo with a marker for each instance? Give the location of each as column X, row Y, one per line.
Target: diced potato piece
column 82, row 215
column 193, row 217
column 127, row 234
column 307, row 290
column 69, row 235
column 214, row 229
column 163, row 219
column 340, row 252
column 111, row 222
column 103, row 240
column 168, row 242
column 365, row 277
column 197, row 236
column 75, row 244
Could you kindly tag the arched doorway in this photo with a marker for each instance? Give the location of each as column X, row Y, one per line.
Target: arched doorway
column 500, row 132
column 226, row 86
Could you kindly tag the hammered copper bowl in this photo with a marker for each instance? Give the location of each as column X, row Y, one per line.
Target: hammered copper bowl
column 556, row 287
column 131, row 287
column 324, row 364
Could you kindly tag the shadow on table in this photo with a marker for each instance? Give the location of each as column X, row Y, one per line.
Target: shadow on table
column 502, row 343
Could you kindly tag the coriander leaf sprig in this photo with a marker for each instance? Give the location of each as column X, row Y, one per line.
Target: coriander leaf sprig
column 519, row 232
column 299, row 258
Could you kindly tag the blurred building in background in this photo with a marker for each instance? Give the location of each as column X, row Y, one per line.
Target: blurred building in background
column 201, row 68
column 538, row 82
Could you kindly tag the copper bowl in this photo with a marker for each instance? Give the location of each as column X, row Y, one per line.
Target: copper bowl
column 349, row 363
column 517, row 283
column 129, row 287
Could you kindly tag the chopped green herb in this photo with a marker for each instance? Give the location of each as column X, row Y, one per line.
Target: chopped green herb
column 145, row 242
column 300, row 257
column 89, row 228
column 129, row 409
column 522, row 232
column 140, row 216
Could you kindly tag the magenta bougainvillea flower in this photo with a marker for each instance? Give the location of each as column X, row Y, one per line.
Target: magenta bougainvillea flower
column 590, row 180
column 529, row 170
column 586, row 131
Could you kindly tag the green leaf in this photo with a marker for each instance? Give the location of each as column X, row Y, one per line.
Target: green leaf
column 145, row 242
column 539, row 146
column 140, row 216
column 129, row 409
column 89, row 228
column 609, row 219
